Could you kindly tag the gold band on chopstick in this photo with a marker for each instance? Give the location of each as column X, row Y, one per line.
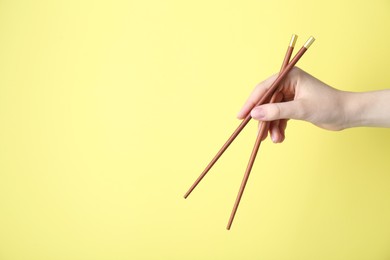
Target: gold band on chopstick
column 293, row 40
column 309, row 42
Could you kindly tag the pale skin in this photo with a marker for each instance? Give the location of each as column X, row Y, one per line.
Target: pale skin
column 306, row 98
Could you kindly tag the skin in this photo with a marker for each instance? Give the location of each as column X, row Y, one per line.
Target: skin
column 303, row 97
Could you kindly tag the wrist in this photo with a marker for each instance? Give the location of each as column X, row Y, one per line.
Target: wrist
column 369, row 108
column 356, row 106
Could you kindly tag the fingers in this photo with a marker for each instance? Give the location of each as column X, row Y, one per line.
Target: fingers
column 255, row 96
column 263, row 129
column 276, row 135
column 286, row 110
column 282, row 127
column 276, row 128
column 276, row 98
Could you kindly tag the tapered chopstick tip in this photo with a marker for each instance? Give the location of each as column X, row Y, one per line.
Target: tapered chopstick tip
column 229, row 225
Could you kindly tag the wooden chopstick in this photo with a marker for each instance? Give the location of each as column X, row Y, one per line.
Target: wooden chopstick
column 244, row 122
column 263, row 129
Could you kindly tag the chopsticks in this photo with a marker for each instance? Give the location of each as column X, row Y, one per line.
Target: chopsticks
column 263, row 128
column 286, row 68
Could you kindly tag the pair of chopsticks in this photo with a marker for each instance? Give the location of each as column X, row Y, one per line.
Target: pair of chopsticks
column 272, row 93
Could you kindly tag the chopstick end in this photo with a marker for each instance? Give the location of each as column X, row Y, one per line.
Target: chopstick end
column 293, row 40
column 309, row 42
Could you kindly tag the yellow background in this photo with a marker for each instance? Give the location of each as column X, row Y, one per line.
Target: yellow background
column 109, row 110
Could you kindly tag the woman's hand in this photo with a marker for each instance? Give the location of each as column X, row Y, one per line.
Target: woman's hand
column 306, row 98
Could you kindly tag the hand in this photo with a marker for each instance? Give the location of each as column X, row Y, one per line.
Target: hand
column 304, row 98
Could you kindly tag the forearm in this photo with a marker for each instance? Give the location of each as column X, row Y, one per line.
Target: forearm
column 367, row 109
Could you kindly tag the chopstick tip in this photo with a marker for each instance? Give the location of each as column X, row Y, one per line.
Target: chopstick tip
column 187, row 194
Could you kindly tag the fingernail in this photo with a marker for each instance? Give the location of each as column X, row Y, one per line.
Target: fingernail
column 258, row 113
column 273, row 138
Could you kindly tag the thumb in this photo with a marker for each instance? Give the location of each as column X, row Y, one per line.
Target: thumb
column 285, row 110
